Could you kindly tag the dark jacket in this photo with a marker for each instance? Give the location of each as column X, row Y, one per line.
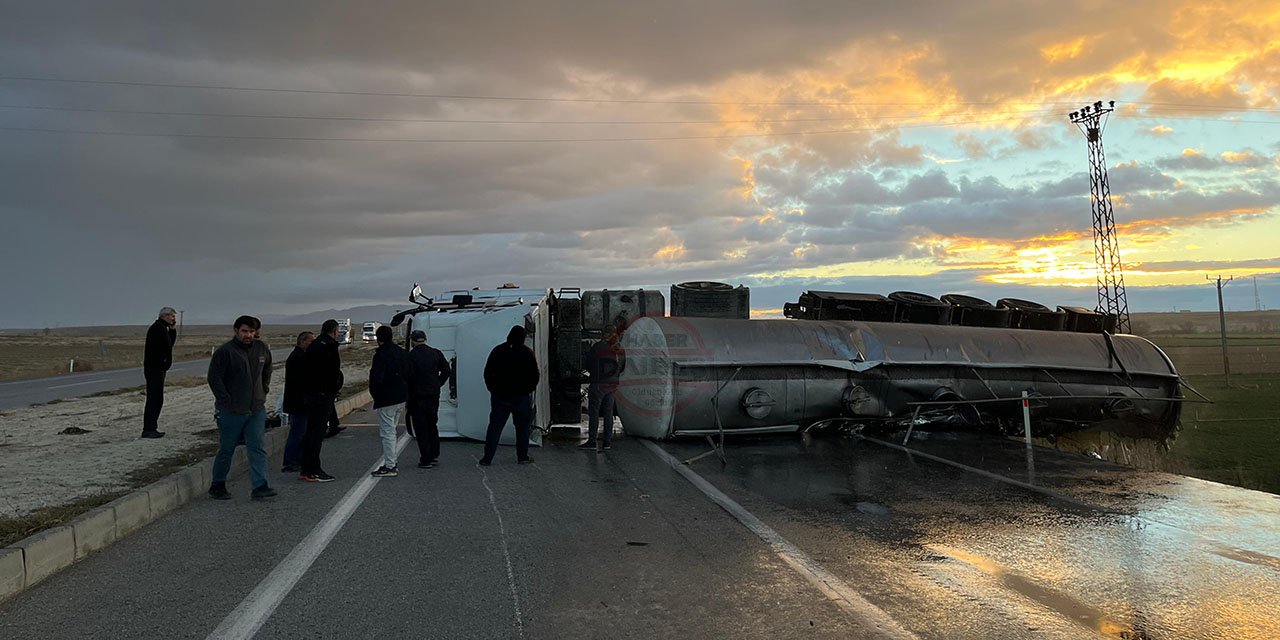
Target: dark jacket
column 604, row 362
column 389, row 375
column 295, row 373
column 240, row 376
column 512, row 370
column 324, row 368
column 158, row 352
column 428, row 372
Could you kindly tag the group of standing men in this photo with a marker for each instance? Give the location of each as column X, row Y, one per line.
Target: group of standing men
column 240, row 377
column 412, row 380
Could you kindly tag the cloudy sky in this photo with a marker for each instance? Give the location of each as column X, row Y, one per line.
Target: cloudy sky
column 231, row 157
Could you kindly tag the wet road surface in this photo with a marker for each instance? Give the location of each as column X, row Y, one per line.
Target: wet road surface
column 620, row 545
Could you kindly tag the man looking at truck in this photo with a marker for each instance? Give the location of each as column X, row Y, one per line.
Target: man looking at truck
column 428, row 372
column 389, row 386
column 604, row 362
column 511, row 374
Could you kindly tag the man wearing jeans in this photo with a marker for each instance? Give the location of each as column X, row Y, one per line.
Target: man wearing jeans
column 389, row 386
column 604, row 362
column 239, row 376
column 511, row 374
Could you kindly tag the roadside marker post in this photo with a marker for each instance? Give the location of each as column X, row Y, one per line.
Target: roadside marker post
column 1026, row 434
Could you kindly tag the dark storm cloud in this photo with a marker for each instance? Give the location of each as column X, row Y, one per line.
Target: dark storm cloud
column 112, row 224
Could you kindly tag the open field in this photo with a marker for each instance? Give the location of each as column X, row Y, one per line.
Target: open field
column 1201, row 354
column 1237, row 439
column 1194, row 322
column 33, row 354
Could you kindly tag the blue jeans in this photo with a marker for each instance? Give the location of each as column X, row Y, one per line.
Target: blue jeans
column 293, row 444
column 520, row 410
column 231, row 428
column 600, row 408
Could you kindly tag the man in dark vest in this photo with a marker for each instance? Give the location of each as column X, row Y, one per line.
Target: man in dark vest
column 428, row 372
column 157, row 357
column 323, row 381
column 511, row 374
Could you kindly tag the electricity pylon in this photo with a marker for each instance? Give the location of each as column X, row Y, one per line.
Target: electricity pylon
column 1106, row 250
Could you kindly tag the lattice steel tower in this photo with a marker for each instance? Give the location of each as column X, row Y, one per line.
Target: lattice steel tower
column 1092, row 120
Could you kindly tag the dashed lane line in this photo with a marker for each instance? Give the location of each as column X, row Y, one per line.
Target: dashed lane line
column 245, row 621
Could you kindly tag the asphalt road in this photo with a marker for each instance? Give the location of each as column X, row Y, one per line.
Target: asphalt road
column 21, row 393
column 619, row 545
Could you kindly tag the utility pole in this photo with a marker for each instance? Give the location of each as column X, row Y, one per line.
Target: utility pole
column 1112, row 299
column 1222, row 324
column 1257, row 300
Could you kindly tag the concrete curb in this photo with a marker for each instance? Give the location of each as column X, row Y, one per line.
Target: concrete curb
column 34, row 558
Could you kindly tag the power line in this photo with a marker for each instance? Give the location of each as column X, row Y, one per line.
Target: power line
column 458, row 121
column 448, row 96
column 1203, row 106
column 495, row 140
column 1193, row 118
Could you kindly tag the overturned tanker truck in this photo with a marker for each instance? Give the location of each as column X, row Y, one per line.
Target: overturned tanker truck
column 846, row 359
column 891, row 362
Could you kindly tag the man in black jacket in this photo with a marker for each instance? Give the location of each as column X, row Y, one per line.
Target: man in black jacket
column 294, row 380
column 157, row 357
column 428, row 372
column 511, row 374
column 604, row 362
column 240, row 377
column 389, row 386
column 323, row 379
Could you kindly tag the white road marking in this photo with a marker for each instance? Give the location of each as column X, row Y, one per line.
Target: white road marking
column 835, row 589
column 258, row 606
column 75, row 384
column 506, row 553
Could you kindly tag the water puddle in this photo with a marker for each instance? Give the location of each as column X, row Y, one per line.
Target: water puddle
column 1063, row 604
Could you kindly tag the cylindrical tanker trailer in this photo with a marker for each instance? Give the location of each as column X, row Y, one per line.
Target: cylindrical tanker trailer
column 695, row 376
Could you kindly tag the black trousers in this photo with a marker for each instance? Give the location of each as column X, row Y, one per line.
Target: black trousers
column 318, row 408
column 520, row 410
column 425, row 415
column 155, row 399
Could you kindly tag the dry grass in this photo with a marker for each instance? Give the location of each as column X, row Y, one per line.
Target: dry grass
column 34, row 354
column 15, row 529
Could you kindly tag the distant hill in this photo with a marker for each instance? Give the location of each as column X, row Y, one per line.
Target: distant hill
column 369, row 313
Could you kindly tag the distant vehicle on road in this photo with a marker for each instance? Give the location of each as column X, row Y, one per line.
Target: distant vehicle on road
column 369, row 332
column 344, row 331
